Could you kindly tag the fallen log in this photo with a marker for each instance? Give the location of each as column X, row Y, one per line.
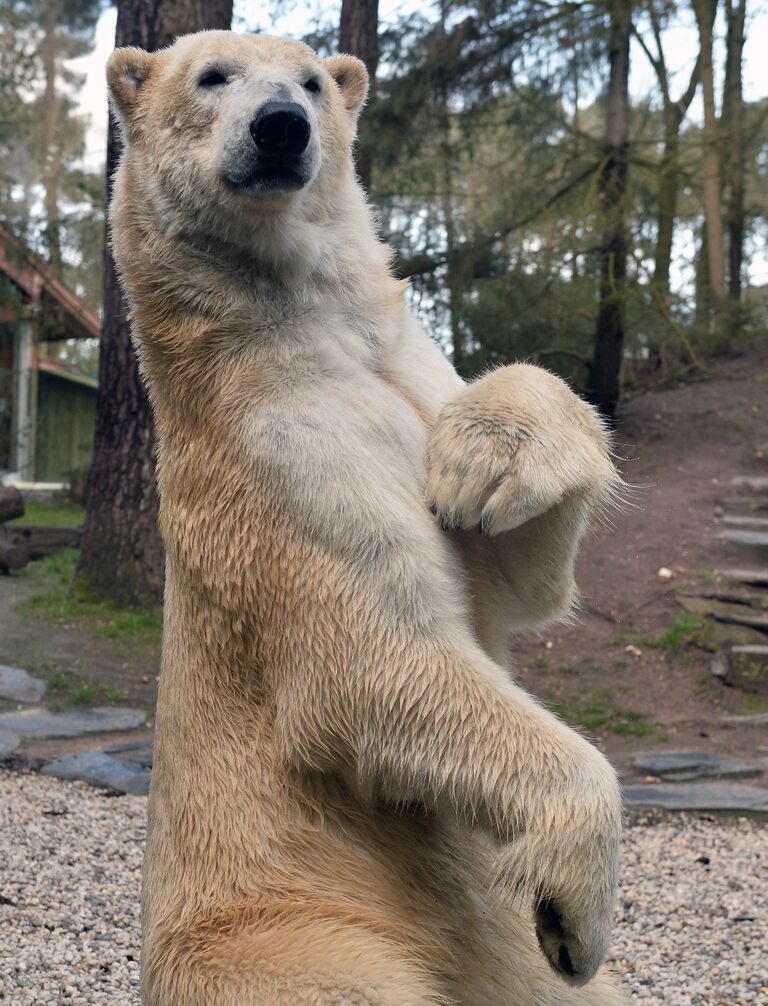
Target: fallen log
column 40, row 540
column 11, row 503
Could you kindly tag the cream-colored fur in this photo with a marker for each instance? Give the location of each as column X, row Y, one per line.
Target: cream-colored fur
column 352, row 802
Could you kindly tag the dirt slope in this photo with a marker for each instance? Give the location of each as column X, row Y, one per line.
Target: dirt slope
column 679, row 448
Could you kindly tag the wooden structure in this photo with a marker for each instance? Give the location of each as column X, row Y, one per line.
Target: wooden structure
column 47, row 409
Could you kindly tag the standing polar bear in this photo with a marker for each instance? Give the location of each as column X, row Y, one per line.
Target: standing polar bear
column 352, row 802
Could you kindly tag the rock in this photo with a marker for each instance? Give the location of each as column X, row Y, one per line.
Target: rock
column 687, row 766
column 9, row 741
column 748, row 668
column 752, row 483
column 718, row 667
column 42, row 723
column 99, row 769
column 698, row 796
column 19, row 686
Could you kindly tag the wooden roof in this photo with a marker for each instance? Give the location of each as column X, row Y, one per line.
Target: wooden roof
column 37, row 283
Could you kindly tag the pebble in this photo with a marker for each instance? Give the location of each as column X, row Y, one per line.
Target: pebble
column 689, row 933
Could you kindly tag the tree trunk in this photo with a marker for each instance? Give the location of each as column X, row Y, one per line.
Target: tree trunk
column 705, row 15
column 669, row 174
column 609, row 336
column 122, row 553
column 669, row 168
column 359, row 36
column 51, row 164
column 703, row 302
column 733, row 114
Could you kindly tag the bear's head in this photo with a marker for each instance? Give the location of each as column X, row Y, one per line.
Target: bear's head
column 227, row 130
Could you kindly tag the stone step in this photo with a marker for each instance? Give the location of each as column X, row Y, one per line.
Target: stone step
column 758, row 523
column 698, row 796
column 746, row 719
column 725, row 613
column 749, row 503
column 39, row 722
column 752, row 577
column 737, row 600
column 751, row 483
column 755, row 539
column 688, row 766
column 759, row 622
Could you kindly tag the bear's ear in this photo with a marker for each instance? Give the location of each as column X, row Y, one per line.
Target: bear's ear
column 351, row 77
column 127, row 71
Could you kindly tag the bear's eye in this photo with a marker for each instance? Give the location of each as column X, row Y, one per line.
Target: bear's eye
column 313, row 85
column 212, row 78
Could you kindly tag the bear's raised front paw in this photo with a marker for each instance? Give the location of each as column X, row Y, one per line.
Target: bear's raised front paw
column 512, row 446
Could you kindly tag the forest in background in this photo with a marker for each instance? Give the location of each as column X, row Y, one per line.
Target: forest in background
column 509, row 170
column 538, row 212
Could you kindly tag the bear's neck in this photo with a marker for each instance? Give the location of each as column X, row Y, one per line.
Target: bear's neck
column 197, row 296
column 208, row 268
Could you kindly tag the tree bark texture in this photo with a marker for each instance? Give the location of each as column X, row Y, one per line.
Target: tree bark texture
column 733, row 114
column 705, row 15
column 122, row 553
column 605, row 373
column 359, row 36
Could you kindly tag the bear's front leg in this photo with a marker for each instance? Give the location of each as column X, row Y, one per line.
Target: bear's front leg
column 522, row 459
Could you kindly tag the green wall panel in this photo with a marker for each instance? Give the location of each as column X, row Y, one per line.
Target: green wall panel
column 66, row 415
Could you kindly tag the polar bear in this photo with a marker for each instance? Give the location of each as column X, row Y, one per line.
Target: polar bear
column 352, row 801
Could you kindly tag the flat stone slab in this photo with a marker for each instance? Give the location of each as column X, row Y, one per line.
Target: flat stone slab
column 138, row 753
column 9, row 741
column 99, row 769
column 698, row 796
column 18, row 685
column 687, row 766
column 100, row 719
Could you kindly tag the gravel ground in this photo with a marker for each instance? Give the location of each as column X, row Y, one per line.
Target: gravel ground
column 692, row 927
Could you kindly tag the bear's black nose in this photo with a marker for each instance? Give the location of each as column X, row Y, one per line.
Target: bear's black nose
column 281, row 129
